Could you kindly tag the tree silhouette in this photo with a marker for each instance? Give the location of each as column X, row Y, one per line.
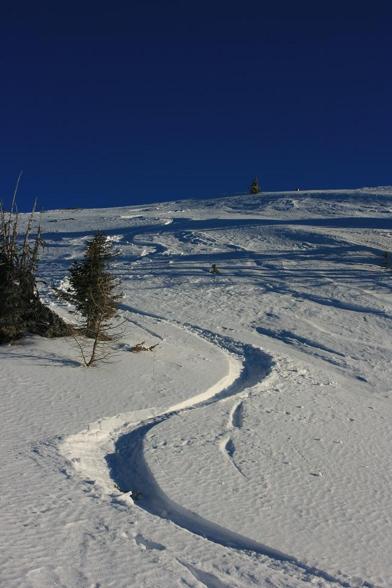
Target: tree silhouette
column 255, row 187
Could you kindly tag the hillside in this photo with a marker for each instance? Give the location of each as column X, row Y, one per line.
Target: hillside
column 257, row 432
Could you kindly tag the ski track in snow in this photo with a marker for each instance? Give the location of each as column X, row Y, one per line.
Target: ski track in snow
column 109, row 456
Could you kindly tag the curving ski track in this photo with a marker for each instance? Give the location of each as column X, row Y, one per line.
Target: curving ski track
column 127, row 469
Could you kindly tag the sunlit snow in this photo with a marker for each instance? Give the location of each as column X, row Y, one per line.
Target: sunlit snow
column 252, row 446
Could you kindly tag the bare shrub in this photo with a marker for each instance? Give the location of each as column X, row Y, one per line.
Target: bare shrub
column 21, row 309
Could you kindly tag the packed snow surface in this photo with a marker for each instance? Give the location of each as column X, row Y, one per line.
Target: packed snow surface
column 252, row 446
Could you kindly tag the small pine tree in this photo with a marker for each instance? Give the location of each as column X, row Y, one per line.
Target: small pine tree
column 255, row 187
column 93, row 292
column 214, row 269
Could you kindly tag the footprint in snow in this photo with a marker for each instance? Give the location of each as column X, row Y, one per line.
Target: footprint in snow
column 145, row 543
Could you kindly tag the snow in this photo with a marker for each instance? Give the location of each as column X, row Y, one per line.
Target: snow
column 252, row 446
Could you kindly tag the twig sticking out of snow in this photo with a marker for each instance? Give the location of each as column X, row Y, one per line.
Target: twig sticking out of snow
column 141, row 347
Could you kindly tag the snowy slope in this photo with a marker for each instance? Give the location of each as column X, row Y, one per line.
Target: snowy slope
column 257, row 431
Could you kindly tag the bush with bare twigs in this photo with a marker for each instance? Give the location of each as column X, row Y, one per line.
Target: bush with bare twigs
column 21, row 309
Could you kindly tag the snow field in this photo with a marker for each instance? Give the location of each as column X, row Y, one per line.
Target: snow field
column 258, row 431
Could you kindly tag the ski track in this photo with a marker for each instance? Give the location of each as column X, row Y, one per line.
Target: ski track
column 109, row 455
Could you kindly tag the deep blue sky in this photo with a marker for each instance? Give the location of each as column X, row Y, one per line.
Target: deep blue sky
column 104, row 104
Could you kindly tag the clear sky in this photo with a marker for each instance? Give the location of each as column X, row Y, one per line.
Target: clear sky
column 104, row 104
